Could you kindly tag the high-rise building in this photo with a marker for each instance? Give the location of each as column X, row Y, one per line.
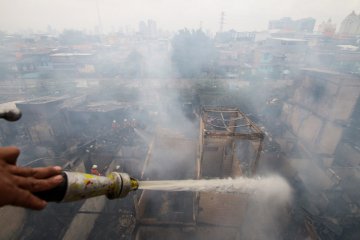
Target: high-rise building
column 152, row 27
column 149, row 29
column 350, row 26
column 142, row 28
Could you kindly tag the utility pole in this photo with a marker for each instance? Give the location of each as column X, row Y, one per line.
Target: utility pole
column 222, row 22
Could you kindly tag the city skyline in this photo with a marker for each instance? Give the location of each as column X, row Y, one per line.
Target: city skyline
column 114, row 15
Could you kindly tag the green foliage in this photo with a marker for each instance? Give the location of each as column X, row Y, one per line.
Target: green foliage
column 134, row 65
column 194, row 54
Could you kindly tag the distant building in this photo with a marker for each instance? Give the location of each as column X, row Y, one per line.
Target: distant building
column 34, row 65
column 148, row 30
column 152, row 28
column 73, row 62
column 142, row 28
column 287, row 24
column 277, row 56
column 350, row 26
column 327, row 29
column 232, row 36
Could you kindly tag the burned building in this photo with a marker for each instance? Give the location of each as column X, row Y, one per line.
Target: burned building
column 50, row 127
column 225, row 134
column 320, row 142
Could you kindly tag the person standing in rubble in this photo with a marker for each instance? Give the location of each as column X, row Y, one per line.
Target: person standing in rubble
column 133, row 123
column 17, row 184
column 114, row 125
column 125, row 123
column 95, row 171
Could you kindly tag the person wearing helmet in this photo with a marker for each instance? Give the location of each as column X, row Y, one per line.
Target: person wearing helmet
column 94, row 170
column 114, row 125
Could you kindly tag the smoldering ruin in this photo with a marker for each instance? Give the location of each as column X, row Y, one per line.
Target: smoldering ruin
column 150, row 141
column 280, row 108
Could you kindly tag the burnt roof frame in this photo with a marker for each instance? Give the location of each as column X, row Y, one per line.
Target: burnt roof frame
column 256, row 134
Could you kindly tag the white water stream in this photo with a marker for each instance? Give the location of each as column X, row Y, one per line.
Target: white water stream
column 268, row 186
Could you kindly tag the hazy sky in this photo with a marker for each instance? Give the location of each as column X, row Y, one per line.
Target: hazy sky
column 242, row 15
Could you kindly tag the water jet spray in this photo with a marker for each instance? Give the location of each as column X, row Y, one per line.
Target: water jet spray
column 79, row 186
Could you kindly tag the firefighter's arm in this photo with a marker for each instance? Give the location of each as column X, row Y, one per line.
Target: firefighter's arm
column 18, row 183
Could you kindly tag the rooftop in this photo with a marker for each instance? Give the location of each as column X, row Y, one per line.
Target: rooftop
column 105, row 106
column 290, row 39
column 42, row 100
column 70, row 54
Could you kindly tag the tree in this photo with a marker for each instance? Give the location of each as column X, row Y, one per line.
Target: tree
column 133, row 66
column 194, row 54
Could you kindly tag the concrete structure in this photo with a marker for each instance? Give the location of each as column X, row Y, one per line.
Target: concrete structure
column 320, row 108
column 322, row 117
column 287, row 24
column 73, row 63
column 279, row 56
column 350, row 26
column 45, row 112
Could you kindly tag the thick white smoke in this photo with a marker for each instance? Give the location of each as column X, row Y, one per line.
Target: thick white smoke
column 268, row 203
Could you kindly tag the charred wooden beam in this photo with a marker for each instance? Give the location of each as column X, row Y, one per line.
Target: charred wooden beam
column 249, row 136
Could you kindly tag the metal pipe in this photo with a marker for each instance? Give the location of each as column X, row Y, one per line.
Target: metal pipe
column 77, row 186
